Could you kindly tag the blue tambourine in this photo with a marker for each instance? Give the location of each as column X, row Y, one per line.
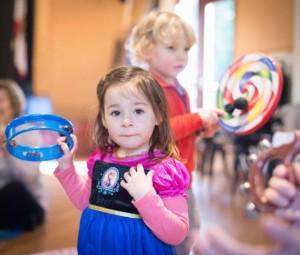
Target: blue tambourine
column 43, row 122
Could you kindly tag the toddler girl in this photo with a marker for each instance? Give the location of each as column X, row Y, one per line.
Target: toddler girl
column 143, row 210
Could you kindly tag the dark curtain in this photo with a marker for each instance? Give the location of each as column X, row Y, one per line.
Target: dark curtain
column 7, row 69
column 6, row 53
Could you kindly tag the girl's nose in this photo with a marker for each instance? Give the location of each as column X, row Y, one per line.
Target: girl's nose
column 127, row 122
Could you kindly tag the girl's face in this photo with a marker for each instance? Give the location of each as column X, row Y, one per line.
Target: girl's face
column 6, row 111
column 129, row 118
column 169, row 59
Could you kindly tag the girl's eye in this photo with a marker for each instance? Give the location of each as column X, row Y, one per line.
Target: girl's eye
column 139, row 111
column 115, row 113
column 170, row 48
column 187, row 49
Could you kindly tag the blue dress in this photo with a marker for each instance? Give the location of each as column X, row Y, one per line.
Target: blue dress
column 111, row 224
column 102, row 231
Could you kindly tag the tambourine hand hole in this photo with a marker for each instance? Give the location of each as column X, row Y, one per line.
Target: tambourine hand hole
column 267, row 171
column 269, row 168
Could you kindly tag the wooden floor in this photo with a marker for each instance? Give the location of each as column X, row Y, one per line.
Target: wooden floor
column 217, row 204
column 59, row 231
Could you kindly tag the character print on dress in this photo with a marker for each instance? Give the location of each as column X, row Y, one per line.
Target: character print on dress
column 106, row 189
column 109, row 184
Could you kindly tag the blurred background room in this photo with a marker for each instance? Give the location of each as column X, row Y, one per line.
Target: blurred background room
column 57, row 50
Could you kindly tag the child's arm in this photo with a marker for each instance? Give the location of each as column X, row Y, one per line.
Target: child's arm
column 76, row 186
column 188, row 124
column 185, row 125
column 166, row 217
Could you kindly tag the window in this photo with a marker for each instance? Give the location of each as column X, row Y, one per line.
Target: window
column 219, row 24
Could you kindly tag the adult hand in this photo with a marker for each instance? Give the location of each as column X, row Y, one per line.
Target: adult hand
column 285, row 237
column 281, row 192
column 137, row 183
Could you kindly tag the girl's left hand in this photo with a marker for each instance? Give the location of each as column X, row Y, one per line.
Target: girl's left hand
column 137, row 183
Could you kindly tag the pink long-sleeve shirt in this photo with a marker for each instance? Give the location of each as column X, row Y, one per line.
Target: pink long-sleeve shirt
column 163, row 209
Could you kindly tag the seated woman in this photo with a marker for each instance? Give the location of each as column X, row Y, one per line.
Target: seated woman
column 23, row 199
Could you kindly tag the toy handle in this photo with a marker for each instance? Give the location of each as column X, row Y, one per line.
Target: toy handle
column 286, row 154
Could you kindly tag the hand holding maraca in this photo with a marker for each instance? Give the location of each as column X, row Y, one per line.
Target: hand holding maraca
column 283, row 185
column 283, row 194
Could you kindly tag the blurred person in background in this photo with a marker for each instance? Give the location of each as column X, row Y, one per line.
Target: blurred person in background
column 23, row 198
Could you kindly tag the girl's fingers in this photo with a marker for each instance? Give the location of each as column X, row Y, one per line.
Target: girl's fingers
column 64, row 147
column 127, row 176
column 61, row 139
column 132, row 171
column 140, row 168
column 62, row 142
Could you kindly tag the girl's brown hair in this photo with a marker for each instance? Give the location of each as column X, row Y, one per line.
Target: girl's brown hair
column 151, row 89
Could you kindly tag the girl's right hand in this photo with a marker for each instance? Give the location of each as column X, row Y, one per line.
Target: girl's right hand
column 137, row 183
column 66, row 161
